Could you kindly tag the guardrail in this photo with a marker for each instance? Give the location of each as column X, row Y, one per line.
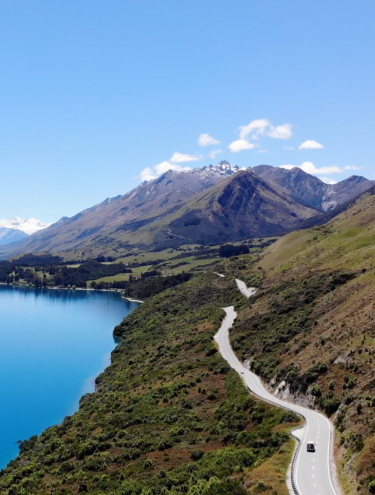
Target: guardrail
column 296, row 452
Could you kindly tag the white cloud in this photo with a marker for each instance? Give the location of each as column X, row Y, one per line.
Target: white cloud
column 327, row 180
column 241, row 145
column 263, row 127
column 207, row 140
column 182, row 158
column 147, row 174
column 280, row 132
column 151, row 173
column 310, row 168
column 352, row 167
column 310, row 144
column 262, row 151
column 288, row 148
column 213, row 153
column 257, row 129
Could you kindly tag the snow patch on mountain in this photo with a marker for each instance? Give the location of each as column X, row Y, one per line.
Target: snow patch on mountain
column 28, row 227
column 223, row 168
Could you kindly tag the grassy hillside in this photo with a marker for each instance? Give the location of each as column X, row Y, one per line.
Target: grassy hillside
column 312, row 324
column 168, row 417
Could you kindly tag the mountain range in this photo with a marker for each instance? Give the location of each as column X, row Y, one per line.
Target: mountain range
column 16, row 229
column 207, row 205
column 311, row 191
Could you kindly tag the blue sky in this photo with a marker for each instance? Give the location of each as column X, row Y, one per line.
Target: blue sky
column 95, row 94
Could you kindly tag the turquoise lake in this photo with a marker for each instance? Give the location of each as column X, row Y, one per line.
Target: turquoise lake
column 53, row 345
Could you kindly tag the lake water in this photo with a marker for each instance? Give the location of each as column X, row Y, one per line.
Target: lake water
column 53, row 345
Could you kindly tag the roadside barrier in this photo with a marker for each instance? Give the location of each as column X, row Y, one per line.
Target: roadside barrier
column 296, row 452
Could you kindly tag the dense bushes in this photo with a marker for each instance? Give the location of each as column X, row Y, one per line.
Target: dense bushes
column 39, row 260
column 90, row 270
column 148, row 286
column 290, row 315
column 6, row 268
column 57, row 275
column 228, row 250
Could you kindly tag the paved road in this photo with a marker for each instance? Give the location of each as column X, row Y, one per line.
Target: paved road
column 244, row 289
column 311, row 474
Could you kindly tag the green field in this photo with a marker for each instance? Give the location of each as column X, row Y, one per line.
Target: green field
column 137, row 271
column 172, row 261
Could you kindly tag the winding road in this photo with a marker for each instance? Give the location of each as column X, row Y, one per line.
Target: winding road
column 310, row 473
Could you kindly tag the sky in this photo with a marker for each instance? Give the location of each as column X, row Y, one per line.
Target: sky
column 96, row 96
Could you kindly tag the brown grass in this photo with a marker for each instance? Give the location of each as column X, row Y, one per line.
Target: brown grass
column 271, row 473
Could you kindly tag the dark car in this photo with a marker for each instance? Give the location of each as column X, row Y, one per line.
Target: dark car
column 310, row 447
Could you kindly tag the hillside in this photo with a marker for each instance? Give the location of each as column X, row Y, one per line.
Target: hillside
column 168, row 416
column 310, row 331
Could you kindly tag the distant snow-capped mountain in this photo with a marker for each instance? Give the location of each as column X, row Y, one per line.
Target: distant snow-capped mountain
column 16, row 229
column 28, row 227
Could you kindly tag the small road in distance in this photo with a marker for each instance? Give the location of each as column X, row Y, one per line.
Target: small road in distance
column 311, row 473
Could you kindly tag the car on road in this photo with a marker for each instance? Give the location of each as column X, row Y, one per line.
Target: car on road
column 310, row 447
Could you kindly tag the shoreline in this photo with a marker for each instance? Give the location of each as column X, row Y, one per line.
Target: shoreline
column 118, row 291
